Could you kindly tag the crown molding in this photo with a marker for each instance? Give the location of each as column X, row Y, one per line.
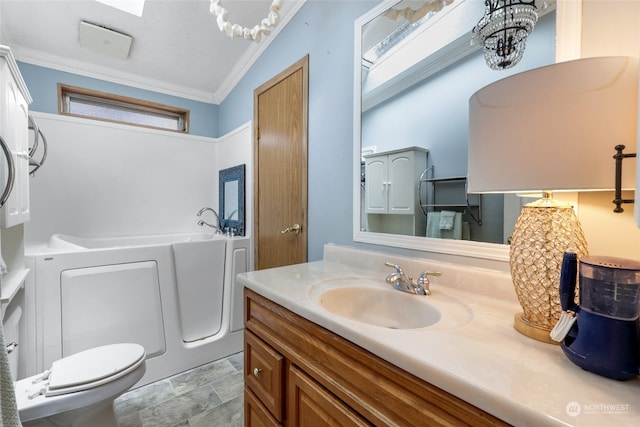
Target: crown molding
column 252, row 54
column 86, row 69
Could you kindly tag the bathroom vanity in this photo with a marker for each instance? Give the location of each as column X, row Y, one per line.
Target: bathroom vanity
column 309, row 363
column 314, row 375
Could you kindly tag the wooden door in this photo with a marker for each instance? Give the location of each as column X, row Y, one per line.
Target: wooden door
column 280, row 161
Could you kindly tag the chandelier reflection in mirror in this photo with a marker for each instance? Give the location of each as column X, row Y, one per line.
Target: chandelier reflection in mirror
column 503, row 31
column 234, row 30
column 414, row 18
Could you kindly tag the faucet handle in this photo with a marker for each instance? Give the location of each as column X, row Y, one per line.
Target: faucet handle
column 423, row 280
column 394, row 277
column 397, row 267
column 424, row 276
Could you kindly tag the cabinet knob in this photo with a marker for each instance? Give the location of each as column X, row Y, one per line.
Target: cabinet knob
column 257, row 371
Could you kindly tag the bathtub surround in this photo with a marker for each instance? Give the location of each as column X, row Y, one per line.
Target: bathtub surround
column 121, row 180
column 111, row 188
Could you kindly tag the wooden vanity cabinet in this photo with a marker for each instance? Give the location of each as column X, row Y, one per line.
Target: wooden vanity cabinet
column 299, row 374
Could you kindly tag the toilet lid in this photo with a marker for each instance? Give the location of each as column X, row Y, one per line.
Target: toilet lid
column 93, row 367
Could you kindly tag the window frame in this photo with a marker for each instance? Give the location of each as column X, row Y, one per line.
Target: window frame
column 68, row 92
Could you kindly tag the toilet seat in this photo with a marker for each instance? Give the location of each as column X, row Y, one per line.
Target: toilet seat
column 93, row 367
column 114, row 369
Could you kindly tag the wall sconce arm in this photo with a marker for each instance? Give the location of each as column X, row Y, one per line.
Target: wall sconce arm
column 619, row 156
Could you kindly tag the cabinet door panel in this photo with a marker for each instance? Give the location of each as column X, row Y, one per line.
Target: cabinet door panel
column 14, row 131
column 310, row 405
column 376, row 185
column 256, row 415
column 264, row 373
column 402, row 183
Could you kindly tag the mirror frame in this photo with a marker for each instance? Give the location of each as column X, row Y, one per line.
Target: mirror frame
column 236, row 173
column 568, row 43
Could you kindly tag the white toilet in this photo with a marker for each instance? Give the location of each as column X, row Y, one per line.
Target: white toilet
column 79, row 390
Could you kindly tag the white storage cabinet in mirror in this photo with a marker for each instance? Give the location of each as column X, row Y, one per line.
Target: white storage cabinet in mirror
column 391, row 190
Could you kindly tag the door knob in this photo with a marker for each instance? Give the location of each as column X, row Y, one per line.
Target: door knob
column 296, row 228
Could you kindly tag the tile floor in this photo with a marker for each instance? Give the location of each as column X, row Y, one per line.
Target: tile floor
column 208, row 396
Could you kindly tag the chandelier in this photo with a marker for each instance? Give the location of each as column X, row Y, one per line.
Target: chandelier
column 503, row 31
column 235, row 30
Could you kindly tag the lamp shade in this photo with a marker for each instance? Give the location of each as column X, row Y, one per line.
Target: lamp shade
column 554, row 128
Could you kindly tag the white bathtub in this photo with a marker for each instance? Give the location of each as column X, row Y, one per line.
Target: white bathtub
column 173, row 293
column 64, row 241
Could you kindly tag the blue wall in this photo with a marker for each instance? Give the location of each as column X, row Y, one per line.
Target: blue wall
column 43, row 86
column 323, row 30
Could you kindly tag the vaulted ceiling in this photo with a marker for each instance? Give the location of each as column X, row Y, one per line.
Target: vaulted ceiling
column 177, row 47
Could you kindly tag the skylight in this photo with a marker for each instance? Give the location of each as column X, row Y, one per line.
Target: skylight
column 133, row 7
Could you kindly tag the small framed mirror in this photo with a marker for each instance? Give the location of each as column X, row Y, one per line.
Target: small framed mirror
column 231, row 199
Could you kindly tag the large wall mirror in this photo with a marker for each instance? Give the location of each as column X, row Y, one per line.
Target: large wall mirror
column 414, row 75
column 231, row 199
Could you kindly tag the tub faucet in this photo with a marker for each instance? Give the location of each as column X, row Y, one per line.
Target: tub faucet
column 217, row 225
column 403, row 283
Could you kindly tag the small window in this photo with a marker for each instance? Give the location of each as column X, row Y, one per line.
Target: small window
column 79, row 102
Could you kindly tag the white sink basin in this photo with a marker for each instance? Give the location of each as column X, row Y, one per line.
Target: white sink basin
column 376, row 303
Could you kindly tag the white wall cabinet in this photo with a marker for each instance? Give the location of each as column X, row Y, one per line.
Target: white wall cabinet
column 391, row 191
column 14, row 100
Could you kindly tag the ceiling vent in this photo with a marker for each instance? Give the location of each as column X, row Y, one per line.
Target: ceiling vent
column 105, row 41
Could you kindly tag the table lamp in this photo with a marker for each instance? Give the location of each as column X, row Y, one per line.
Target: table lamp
column 553, row 128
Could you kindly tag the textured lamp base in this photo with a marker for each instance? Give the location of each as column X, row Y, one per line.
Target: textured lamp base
column 544, row 230
column 532, row 330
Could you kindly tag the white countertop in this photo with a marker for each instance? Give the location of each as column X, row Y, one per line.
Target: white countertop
column 484, row 361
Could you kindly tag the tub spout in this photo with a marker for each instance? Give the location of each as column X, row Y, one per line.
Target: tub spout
column 217, row 225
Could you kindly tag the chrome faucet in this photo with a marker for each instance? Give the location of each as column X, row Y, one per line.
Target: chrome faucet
column 217, row 226
column 403, row 283
column 422, row 286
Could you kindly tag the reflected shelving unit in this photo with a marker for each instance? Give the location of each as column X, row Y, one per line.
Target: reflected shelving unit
column 456, row 197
